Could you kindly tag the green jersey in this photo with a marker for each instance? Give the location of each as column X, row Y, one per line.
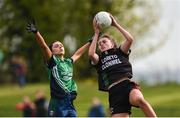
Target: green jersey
column 60, row 75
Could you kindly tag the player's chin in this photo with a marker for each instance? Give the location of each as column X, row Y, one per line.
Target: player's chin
column 58, row 53
column 102, row 50
column 62, row 52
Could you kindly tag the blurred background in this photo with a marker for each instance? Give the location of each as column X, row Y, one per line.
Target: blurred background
column 154, row 56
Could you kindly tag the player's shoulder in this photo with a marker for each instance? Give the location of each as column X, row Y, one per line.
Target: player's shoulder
column 70, row 60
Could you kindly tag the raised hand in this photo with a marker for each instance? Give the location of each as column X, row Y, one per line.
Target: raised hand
column 96, row 26
column 31, row 27
column 114, row 22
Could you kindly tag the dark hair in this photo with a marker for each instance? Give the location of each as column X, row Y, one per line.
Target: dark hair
column 51, row 44
column 110, row 38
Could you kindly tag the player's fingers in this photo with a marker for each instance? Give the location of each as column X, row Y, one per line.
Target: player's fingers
column 28, row 29
column 28, row 25
column 33, row 21
column 29, row 22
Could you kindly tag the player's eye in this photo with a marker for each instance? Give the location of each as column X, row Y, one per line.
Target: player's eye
column 61, row 45
column 56, row 45
column 104, row 41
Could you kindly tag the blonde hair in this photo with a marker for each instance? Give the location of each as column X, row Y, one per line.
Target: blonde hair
column 110, row 38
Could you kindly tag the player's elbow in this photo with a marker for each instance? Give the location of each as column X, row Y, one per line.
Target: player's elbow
column 131, row 39
column 91, row 57
column 90, row 53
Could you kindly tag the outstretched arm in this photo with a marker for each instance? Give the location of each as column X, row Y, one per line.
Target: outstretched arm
column 80, row 52
column 92, row 49
column 31, row 27
column 125, row 46
column 44, row 47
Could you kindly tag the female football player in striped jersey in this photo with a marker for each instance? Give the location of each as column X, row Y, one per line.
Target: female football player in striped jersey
column 63, row 88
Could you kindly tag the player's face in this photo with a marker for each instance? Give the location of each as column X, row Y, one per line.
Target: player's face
column 58, row 48
column 104, row 44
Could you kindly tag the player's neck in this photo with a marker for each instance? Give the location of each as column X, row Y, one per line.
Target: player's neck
column 61, row 57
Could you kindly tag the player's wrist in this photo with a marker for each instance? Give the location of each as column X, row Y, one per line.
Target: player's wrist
column 35, row 31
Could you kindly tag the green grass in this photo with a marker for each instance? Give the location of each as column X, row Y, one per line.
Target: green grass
column 165, row 99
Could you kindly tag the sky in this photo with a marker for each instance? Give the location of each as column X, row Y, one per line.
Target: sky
column 168, row 56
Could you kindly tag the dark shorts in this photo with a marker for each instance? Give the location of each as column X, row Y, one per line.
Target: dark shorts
column 119, row 97
column 61, row 107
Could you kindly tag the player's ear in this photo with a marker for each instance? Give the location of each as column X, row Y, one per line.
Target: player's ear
column 112, row 44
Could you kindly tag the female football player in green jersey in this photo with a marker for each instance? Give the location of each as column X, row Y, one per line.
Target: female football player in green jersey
column 63, row 88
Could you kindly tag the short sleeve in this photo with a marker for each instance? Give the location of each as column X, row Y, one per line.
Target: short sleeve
column 92, row 64
column 124, row 54
column 51, row 62
column 70, row 60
